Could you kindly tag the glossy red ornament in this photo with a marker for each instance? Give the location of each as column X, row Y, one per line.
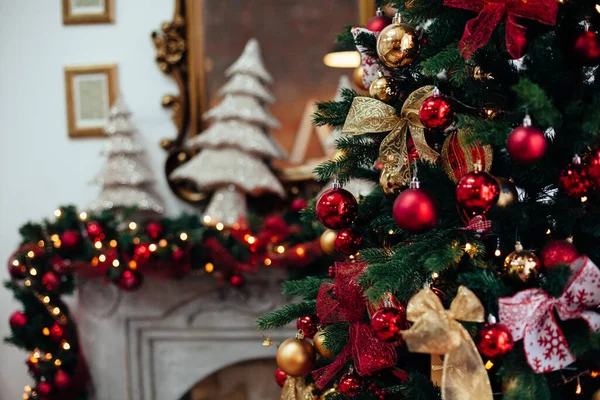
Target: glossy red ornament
column 56, row 332
column 436, row 113
column 558, row 252
column 280, row 377
column 587, row 48
column 350, row 385
column 593, row 167
column 44, row 388
column 298, row 205
column 237, row 281
column 309, row 325
column 377, row 23
column 94, row 230
column 573, row 180
column 62, row 380
column 131, row 280
column 526, row 144
column 51, row 281
column 415, row 210
column 337, row 208
column 154, row 230
column 141, row 253
column 494, row 340
column 16, row 271
column 347, row 242
column 70, row 240
column 59, row 264
column 387, row 323
column 441, row 295
column 17, row 320
column 477, row 192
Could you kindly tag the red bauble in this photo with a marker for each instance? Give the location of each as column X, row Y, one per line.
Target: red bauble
column 131, row 280
column 593, row 167
column 337, row 208
column 70, row 240
column 94, row 230
column 350, row 385
column 280, row 377
column 154, row 230
column 298, row 205
column 526, row 144
column 178, row 254
column 415, row 211
column 436, row 113
column 237, row 281
column 477, row 192
column 44, row 389
column 573, row 181
column 51, row 281
column 141, row 253
column 56, row 332
column 59, row 264
column 309, row 325
column 387, row 323
column 62, row 380
column 376, row 24
column 494, row 340
column 559, row 252
column 17, row 320
column 16, row 271
column 347, row 242
column 587, row 48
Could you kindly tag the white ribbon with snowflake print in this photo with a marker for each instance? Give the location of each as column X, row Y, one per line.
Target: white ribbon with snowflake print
column 529, row 316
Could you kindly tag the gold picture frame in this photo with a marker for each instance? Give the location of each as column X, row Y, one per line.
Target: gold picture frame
column 90, row 12
column 90, row 91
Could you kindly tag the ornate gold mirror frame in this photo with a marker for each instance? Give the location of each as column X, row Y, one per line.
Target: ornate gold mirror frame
column 179, row 51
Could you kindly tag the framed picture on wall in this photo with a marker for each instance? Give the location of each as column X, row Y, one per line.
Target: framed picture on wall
column 90, row 91
column 88, row 12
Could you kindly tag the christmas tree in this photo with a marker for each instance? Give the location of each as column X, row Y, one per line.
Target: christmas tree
column 470, row 270
column 236, row 147
column 125, row 177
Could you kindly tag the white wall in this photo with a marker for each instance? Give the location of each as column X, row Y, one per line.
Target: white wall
column 40, row 167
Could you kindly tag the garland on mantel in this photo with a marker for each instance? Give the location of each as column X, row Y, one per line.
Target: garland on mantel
column 125, row 250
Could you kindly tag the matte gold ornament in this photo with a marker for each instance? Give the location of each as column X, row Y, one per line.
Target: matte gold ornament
column 508, row 193
column 330, row 394
column 384, row 88
column 319, row 345
column 328, row 242
column 522, row 263
column 398, row 44
column 297, row 389
column 296, row 356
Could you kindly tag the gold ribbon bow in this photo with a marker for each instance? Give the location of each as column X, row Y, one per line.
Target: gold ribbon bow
column 297, row 389
column 368, row 115
column 437, row 331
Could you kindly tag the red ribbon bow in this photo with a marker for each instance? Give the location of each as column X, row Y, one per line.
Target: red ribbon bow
column 343, row 301
column 479, row 29
column 529, row 316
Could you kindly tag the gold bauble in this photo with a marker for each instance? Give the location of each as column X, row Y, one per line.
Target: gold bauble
column 508, row 193
column 329, row 394
column 398, row 44
column 318, row 343
column 328, row 242
column 357, row 77
column 522, row 264
column 296, row 357
column 385, row 89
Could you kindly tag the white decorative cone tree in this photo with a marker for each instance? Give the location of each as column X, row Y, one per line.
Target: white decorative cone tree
column 236, row 146
column 124, row 178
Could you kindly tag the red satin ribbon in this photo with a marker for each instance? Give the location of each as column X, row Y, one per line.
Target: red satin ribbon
column 479, row 29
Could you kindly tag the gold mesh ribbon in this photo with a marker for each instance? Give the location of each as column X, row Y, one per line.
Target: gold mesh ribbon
column 368, row 115
column 297, row 389
column 437, row 331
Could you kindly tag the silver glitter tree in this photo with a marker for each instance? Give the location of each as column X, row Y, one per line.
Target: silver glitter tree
column 236, row 147
column 125, row 178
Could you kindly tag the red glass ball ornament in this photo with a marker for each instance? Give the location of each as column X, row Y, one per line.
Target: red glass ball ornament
column 494, row 340
column 131, row 280
column 237, row 281
column 415, row 211
column 573, row 181
column 141, row 253
column 70, row 240
column 593, row 167
column 526, row 144
column 587, row 48
column 309, row 325
column 441, row 295
column 154, row 229
column 56, row 332
column 51, row 281
column 477, row 192
column 44, row 389
column 94, row 230
column 377, row 23
column 17, row 320
column 337, row 208
column 350, row 385
column 558, row 252
column 62, row 380
column 436, row 113
column 298, row 205
column 347, row 242
column 18, row 271
column 280, row 377
column 387, row 323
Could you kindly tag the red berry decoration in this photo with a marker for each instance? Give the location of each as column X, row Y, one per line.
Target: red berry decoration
column 337, row 208
column 154, row 230
column 415, row 210
column 51, row 281
column 131, row 280
column 347, row 242
column 494, row 340
column 56, row 332
column 526, row 144
column 44, row 389
column 593, row 168
column 573, row 180
column 587, row 48
column 17, row 320
column 377, row 23
column 280, row 377
column 70, row 240
column 298, row 205
column 141, row 253
column 62, row 380
column 436, row 112
column 94, row 230
column 558, row 252
column 477, row 192
column 309, row 325
column 237, row 281
column 387, row 323
column 350, row 385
